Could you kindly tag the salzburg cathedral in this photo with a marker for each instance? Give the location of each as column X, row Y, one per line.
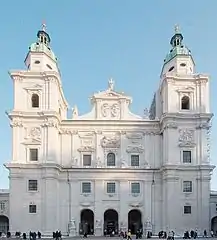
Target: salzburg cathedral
column 110, row 169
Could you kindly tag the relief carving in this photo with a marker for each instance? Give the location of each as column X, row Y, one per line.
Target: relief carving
column 105, row 110
column 115, row 110
column 134, row 135
column 16, row 123
column 110, row 142
column 35, row 132
column 186, row 137
column 86, row 149
column 135, row 149
column 123, row 163
column 110, row 111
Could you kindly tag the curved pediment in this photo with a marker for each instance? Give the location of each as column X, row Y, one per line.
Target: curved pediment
column 110, row 105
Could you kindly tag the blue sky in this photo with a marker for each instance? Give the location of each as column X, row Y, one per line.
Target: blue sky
column 98, row 39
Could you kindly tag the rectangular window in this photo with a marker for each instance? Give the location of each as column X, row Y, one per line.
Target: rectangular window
column 33, row 154
column 135, row 188
column 111, row 187
column 186, row 156
column 32, row 208
column 187, row 186
column 135, row 160
column 33, row 185
column 86, row 187
column 87, row 160
column 187, row 209
column 2, row 206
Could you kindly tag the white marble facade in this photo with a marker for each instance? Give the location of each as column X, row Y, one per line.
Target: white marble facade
column 109, row 168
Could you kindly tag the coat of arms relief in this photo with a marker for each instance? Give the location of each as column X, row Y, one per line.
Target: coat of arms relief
column 110, row 110
column 186, row 138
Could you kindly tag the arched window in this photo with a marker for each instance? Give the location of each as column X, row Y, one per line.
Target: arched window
column 35, row 100
column 111, row 159
column 185, row 103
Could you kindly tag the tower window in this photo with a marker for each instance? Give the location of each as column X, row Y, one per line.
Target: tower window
column 185, row 103
column 171, row 69
column 35, row 100
column 183, row 64
column 37, row 62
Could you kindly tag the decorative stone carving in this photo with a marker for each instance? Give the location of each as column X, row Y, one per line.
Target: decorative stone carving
column 72, row 228
column 110, row 141
column 123, row 163
column 146, row 113
column 134, row 135
column 98, row 223
column 74, row 112
column 99, row 163
column 186, row 137
column 66, row 131
column 203, row 126
column 74, row 162
column 110, row 111
column 86, row 149
column 135, row 149
column 148, row 226
column 208, row 143
column 16, row 123
column 171, row 125
column 50, row 124
column 115, row 110
column 105, row 110
column 35, row 132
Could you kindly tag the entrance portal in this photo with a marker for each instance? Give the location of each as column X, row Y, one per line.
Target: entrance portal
column 214, row 225
column 134, row 221
column 4, row 224
column 111, row 221
column 87, row 222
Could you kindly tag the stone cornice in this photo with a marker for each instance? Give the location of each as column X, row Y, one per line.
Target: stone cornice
column 185, row 116
column 171, row 167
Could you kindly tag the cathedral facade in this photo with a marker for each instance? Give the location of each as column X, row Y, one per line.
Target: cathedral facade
column 109, row 170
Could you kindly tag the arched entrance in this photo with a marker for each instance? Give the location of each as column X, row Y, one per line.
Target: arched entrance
column 111, row 221
column 214, row 225
column 134, row 220
column 87, row 222
column 4, row 224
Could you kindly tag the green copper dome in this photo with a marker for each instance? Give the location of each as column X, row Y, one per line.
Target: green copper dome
column 43, row 44
column 177, row 46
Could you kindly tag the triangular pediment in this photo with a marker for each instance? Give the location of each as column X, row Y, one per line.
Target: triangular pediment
column 109, row 94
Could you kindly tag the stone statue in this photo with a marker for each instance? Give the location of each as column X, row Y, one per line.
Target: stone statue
column 74, row 162
column 146, row 113
column 148, row 225
column 123, row 163
column 111, row 84
column 72, row 228
column 98, row 162
column 75, row 112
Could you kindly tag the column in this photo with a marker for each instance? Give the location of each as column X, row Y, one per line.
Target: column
column 98, row 209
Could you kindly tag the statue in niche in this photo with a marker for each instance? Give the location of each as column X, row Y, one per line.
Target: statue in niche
column 75, row 112
column 146, row 165
column 98, row 163
column 74, row 162
column 72, row 228
column 123, row 163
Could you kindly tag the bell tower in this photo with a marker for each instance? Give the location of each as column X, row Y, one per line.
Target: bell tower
column 179, row 59
column 40, row 56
